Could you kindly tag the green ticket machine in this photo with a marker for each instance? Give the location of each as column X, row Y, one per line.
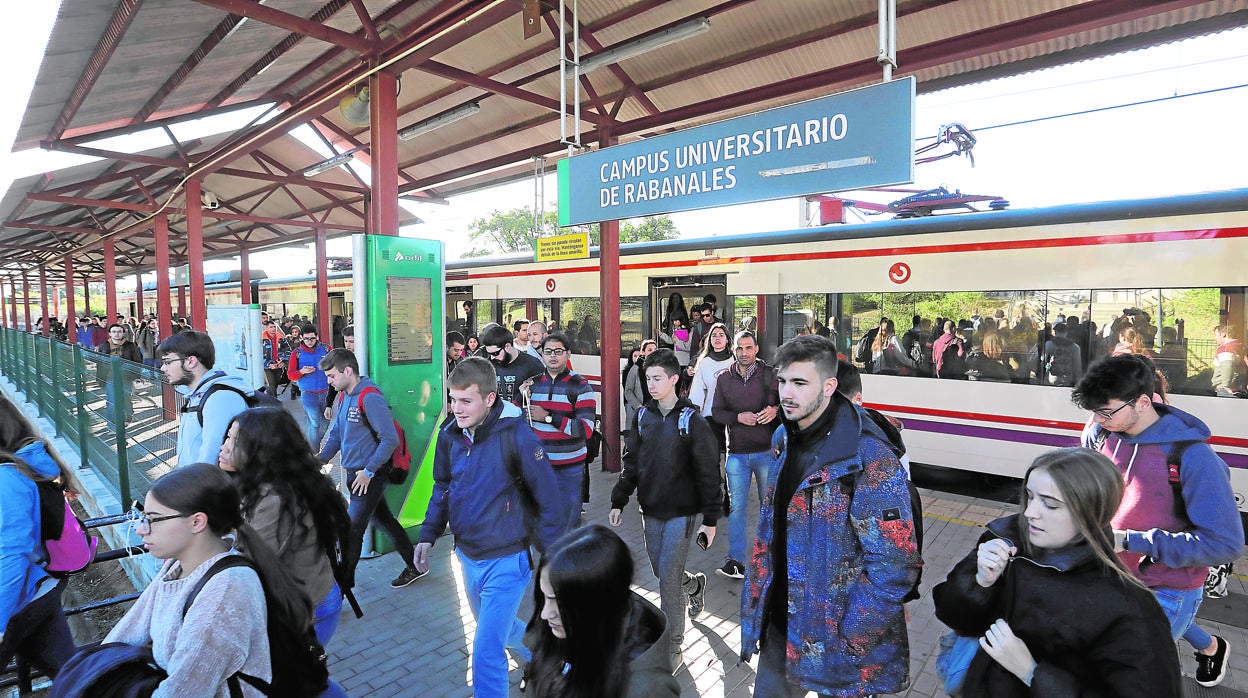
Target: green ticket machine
column 399, row 288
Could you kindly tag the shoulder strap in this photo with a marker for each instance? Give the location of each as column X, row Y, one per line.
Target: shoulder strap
column 199, row 409
column 682, row 425
column 641, row 412
column 221, row 565
column 363, row 416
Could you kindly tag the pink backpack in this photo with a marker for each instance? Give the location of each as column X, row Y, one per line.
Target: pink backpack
column 70, row 549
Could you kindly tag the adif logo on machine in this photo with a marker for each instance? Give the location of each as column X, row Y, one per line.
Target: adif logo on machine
column 400, row 257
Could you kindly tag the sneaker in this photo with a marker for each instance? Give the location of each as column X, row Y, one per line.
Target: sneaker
column 1210, row 670
column 731, row 569
column 408, row 576
column 697, row 600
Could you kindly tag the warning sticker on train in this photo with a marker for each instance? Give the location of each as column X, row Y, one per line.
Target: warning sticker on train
column 854, row 139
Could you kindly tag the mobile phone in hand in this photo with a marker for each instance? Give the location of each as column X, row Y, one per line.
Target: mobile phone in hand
column 702, row 540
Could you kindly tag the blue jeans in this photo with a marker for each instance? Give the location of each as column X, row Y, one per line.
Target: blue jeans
column 127, row 409
column 1180, row 608
column 372, row 506
column 739, row 468
column 569, row 481
column 667, row 545
column 325, row 615
column 495, row 589
column 314, row 410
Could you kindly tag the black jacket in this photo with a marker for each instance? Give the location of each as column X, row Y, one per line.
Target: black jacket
column 673, row 475
column 1090, row 632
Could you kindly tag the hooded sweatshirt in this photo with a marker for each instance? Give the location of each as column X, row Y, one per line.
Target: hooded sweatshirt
column 349, row 434
column 1171, row 547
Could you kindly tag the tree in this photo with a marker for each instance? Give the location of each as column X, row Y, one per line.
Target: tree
column 505, row 232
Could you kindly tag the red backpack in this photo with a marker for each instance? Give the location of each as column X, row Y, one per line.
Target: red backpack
column 401, row 460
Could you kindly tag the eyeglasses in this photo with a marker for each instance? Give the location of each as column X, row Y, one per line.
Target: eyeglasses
column 554, row 352
column 1109, row 414
column 495, row 352
column 170, row 360
column 142, row 520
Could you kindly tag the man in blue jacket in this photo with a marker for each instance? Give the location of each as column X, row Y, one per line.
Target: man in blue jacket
column 490, row 474
column 366, row 455
column 836, row 553
column 213, row 398
column 304, row 370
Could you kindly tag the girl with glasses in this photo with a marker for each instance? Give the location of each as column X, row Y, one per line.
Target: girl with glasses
column 191, row 518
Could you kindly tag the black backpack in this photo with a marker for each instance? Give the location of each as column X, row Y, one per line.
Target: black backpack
column 255, row 398
column 952, row 365
column 109, row 670
column 298, row 660
column 1061, row 365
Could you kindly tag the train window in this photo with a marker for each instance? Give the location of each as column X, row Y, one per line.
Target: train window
column 580, row 320
column 513, row 309
column 484, row 311
column 804, row 313
column 631, row 332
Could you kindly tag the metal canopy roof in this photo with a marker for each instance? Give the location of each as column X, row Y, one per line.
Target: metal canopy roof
column 115, row 66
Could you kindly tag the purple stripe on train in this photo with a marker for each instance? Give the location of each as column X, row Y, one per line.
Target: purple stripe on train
column 1234, row 460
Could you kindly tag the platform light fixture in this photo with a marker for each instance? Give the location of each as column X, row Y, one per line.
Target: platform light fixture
column 435, row 122
column 627, row 50
column 327, row 165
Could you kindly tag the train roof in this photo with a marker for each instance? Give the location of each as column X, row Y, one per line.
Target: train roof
column 1207, row 202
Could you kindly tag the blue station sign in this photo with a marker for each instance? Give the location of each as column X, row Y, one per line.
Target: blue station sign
column 861, row 138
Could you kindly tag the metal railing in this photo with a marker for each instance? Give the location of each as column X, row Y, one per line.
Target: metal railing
column 119, row 416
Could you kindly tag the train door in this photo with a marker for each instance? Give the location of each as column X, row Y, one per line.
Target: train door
column 670, row 295
column 458, row 317
column 338, row 318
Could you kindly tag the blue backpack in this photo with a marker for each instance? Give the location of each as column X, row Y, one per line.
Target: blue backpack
column 109, row 670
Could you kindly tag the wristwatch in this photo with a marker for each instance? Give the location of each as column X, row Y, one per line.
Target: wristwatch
column 550, row 419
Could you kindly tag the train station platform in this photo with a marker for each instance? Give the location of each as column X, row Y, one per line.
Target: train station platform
column 417, row 641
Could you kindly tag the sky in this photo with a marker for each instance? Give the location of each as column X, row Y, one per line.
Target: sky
column 1155, row 122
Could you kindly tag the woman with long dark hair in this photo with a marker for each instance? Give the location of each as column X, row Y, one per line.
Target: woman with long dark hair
column 31, row 618
column 1054, row 609
column 191, row 518
column 291, row 506
column 675, row 310
column 591, row 635
column 716, row 355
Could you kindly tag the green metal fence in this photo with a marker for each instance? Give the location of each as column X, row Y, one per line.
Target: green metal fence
column 119, row 416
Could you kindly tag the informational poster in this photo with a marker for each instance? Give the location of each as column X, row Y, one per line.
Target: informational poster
column 410, row 325
column 235, row 332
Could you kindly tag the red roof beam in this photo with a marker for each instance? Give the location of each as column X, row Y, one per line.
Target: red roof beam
column 366, row 20
column 293, row 23
column 299, row 223
column 118, row 24
column 466, row 78
column 287, row 43
column 77, row 230
column 291, row 179
column 218, row 34
column 64, row 147
column 97, row 203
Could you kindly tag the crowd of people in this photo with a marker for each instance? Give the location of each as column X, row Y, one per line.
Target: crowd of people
column 1074, row 594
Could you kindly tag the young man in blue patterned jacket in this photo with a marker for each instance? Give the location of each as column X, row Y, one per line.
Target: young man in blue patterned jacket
column 836, row 552
column 561, row 412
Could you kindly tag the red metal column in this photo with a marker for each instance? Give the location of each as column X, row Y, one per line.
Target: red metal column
column 26, row 301
column 43, row 301
column 110, row 280
column 383, row 214
column 71, row 318
column 139, row 311
column 195, row 254
column 86, row 295
column 164, row 304
column 4, row 316
column 182, row 302
column 322, row 288
column 13, row 304
column 609, row 283
column 244, row 275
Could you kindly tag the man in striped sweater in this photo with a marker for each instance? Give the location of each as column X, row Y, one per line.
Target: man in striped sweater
column 561, row 411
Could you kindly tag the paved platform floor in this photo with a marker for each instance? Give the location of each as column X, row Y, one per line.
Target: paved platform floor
column 416, row 641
